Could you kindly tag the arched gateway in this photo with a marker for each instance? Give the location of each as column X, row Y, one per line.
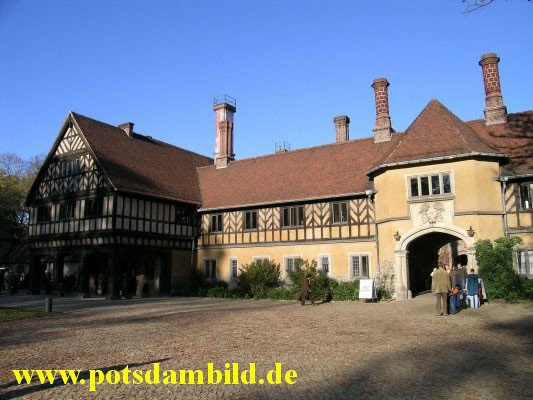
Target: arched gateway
column 418, row 252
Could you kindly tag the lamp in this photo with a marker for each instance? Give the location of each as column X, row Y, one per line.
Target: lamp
column 397, row 236
column 471, row 232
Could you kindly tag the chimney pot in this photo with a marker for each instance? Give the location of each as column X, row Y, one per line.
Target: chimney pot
column 342, row 128
column 224, row 107
column 383, row 130
column 495, row 110
column 127, row 127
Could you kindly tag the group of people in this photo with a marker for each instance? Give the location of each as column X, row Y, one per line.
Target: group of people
column 452, row 286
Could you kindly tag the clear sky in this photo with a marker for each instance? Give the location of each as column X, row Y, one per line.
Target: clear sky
column 292, row 65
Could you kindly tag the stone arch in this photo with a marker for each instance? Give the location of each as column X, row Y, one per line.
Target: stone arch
column 401, row 265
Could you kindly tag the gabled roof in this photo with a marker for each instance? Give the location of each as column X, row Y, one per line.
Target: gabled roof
column 436, row 134
column 514, row 138
column 140, row 164
column 328, row 171
column 137, row 164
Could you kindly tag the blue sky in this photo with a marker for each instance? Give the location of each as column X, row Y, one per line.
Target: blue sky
column 292, row 65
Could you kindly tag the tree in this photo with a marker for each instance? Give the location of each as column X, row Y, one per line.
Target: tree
column 259, row 275
column 16, row 177
column 473, row 5
column 495, row 261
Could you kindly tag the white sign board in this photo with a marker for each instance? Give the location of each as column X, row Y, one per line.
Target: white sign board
column 367, row 289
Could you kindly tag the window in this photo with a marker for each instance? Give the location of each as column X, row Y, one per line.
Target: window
column 359, row 266
column 43, row 214
column 66, row 210
column 526, row 192
column 293, row 216
column 216, row 223
column 233, row 267
column 183, row 216
column 324, row 265
column 291, row 263
column 524, row 262
column 94, row 207
column 210, row 268
column 69, row 167
column 250, row 220
column 339, row 213
column 430, row 185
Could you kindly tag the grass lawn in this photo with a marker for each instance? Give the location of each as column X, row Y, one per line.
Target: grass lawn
column 8, row 314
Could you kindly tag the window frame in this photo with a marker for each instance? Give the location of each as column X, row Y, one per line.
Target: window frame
column 289, row 214
column 423, row 186
column 291, row 260
column 216, row 222
column 250, row 220
column 525, row 195
column 321, row 259
column 209, row 268
column 361, row 266
column 67, row 210
column 94, row 207
column 234, row 269
column 523, row 259
column 340, row 213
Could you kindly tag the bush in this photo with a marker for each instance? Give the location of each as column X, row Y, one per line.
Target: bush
column 320, row 283
column 495, row 263
column 254, row 278
column 345, row 290
column 385, row 283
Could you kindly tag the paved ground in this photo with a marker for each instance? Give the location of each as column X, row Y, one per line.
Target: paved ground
column 345, row 350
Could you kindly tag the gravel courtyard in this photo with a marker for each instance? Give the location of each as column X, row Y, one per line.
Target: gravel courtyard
column 339, row 350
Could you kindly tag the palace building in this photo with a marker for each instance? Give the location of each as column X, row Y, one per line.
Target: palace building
column 113, row 210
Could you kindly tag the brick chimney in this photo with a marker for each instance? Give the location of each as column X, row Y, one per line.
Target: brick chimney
column 342, row 128
column 383, row 130
column 224, row 107
column 127, row 127
column 495, row 110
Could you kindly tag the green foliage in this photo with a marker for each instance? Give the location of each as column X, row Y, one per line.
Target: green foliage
column 343, row 291
column 258, row 276
column 279, row 293
column 495, row 263
column 320, row 283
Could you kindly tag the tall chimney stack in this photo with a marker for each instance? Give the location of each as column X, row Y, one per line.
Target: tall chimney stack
column 495, row 110
column 224, row 107
column 127, row 127
column 342, row 128
column 383, row 129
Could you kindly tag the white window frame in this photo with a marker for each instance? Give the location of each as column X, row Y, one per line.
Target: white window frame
column 360, row 256
column 249, row 217
column 291, row 259
column 338, row 217
column 523, row 259
column 207, row 265
column 431, row 188
column 525, row 194
column 290, row 216
column 322, row 257
column 233, row 269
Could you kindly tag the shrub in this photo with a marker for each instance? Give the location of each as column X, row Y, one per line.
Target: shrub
column 385, row 282
column 254, row 278
column 495, row 263
column 320, row 283
column 345, row 290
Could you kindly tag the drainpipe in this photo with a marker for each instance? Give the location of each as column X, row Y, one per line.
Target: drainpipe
column 503, row 180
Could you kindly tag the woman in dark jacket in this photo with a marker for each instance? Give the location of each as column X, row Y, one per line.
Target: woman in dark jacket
column 305, row 293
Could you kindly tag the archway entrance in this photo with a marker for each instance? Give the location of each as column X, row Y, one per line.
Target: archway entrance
column 426, row 251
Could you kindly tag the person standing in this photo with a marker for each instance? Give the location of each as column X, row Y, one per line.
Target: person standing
column 472, row 289
column 305, row 293
column 440, row 286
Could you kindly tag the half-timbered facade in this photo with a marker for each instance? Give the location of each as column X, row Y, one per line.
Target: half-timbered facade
column 124, row 212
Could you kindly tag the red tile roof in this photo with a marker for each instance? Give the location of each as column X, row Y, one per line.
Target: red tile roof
column 141, row 164
column 515, row 138
column 333, row 170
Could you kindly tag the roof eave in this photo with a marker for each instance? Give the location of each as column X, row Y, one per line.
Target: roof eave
column 434, row 159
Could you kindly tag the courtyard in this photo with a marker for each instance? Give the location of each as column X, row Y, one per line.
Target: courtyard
column 339, row 350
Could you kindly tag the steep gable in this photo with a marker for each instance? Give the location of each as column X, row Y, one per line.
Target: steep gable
column 437, row 133
column 142, row 165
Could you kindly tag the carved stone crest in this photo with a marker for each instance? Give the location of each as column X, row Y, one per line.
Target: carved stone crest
column 431, row 212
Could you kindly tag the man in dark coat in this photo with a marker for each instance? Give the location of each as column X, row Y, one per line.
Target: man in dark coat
column 305, row 293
